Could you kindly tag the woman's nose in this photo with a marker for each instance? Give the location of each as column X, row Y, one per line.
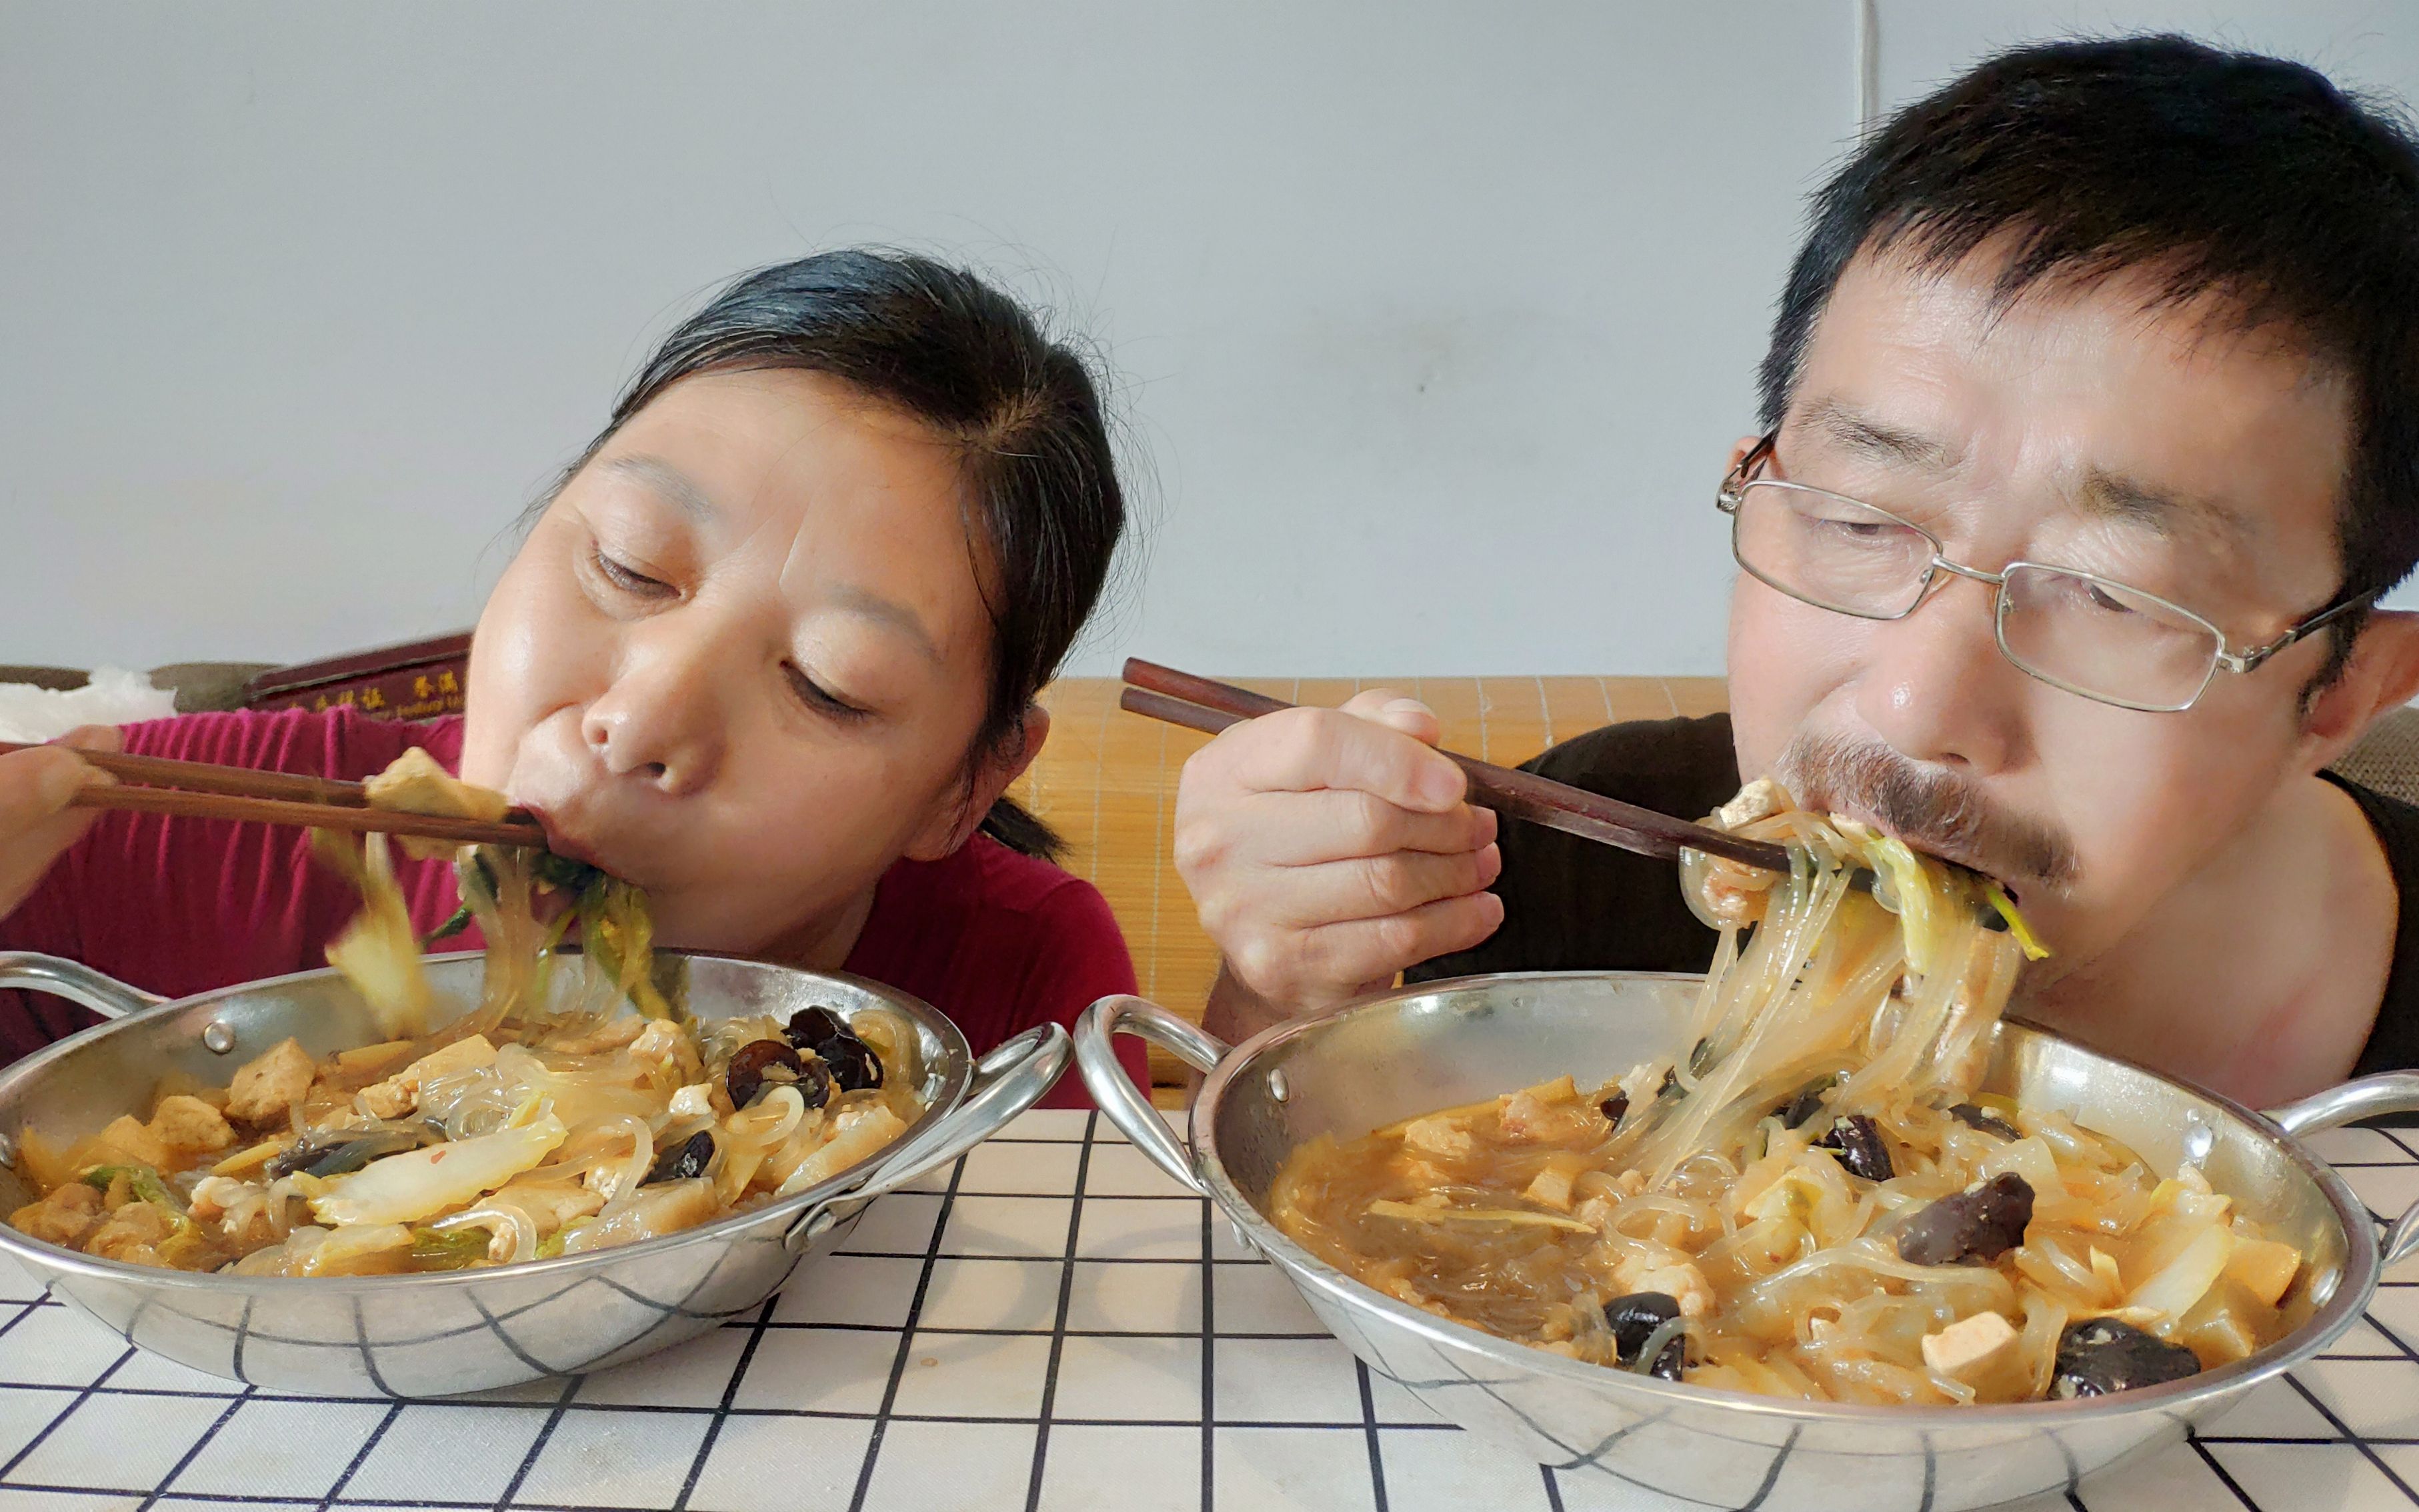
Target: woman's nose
column 1937, row 688
column 658, row 722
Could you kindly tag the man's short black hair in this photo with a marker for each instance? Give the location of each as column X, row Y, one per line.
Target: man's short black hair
column 2216, row 173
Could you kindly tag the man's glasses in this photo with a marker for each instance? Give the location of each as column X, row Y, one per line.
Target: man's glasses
column 2072, row 629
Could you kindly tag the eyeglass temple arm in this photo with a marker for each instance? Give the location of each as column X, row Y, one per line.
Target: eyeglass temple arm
column 2245, row 661
column 1737, row 478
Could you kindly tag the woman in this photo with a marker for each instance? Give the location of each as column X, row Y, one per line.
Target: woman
column 769, row 650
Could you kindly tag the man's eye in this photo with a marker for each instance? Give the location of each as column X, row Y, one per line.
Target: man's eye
column 2108, row 603
column 627, row 580
column 816, row 697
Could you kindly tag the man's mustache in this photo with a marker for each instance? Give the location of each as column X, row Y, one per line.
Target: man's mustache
column 1930, row 808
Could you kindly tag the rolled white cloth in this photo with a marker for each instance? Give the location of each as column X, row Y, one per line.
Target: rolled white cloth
column 114, row 696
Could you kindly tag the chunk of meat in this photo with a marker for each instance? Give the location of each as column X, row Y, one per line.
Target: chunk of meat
column 1545, row 1114
column 268, row 1087
column 1438, row 1134
column 134, row 1234
column 65, row 1217
column 399, row 1094
column 1760, row 800
column 189, row 1126
column 136, row 1143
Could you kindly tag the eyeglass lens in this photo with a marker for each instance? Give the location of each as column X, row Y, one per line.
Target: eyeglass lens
column 2085, row 633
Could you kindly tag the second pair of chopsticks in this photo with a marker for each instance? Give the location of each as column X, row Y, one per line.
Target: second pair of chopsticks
column 1199, row 704
column 200, row 789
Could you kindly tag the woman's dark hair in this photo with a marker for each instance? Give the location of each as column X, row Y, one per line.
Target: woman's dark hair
column 2227, row 174
column 941, row 345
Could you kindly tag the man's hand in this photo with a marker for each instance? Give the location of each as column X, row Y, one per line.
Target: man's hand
column 36, row 823
column 1328, row 849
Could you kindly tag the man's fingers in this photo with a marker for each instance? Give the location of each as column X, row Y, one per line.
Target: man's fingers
column 1327, row 848
column 1373, row 950
column 1303, row 750
column 1311, row 829
column 1373, row 887
column 1383, row 705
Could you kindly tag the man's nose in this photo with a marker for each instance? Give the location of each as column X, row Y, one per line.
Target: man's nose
column 660, row 720
column 1936, row 687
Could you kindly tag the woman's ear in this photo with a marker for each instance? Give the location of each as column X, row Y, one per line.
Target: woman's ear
column 2381, row 676
column 996, row 768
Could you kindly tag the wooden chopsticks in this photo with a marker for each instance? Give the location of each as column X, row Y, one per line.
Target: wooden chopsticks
column 1199, row 704
column 199, row 789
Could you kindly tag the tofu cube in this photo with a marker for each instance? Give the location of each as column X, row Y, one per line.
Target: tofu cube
column 1968, row 1346
column 189, row 1126
column 267, row 1087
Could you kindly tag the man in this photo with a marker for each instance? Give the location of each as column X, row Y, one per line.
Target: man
column 2091, row 433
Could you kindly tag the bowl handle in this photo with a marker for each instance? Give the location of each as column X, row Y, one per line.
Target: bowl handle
column 2392, row 1091
column 75, row 981
column 1017, row 1074
column 1115, row 1092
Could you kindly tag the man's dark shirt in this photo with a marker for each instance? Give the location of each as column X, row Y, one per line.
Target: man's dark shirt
column 1571, row 905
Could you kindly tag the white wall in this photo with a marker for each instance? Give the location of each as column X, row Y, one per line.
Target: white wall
column 1433, row 320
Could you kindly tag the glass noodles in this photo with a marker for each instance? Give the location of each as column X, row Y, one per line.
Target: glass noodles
column 1811, row 1199
column 538, row 1123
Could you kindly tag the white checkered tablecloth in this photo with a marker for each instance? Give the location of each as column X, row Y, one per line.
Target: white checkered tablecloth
column 1049, row 1324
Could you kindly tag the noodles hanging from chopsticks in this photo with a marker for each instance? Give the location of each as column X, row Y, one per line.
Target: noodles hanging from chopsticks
column 1810, row 1195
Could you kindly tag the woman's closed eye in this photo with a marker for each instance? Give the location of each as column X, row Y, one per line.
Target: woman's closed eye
column 821, row 699
column 627, row 579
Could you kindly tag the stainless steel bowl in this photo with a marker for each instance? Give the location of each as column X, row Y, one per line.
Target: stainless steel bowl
column 436, row 1334
column 1394, row 1055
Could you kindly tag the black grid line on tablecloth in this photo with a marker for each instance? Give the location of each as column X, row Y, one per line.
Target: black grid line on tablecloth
column 1059, row 1329
column 1373, row 1455
column 907, row 1338
column 1209, row 1359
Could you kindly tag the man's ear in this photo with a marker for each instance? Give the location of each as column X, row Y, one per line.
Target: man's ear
column 2381, row 676
column 1738, row 453
column 997, row 767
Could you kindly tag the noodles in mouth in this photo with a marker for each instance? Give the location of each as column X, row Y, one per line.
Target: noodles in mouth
column 538, row 1123
column 1813, row 1199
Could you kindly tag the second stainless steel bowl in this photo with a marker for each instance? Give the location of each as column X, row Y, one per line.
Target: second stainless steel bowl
column 1400, row 1053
